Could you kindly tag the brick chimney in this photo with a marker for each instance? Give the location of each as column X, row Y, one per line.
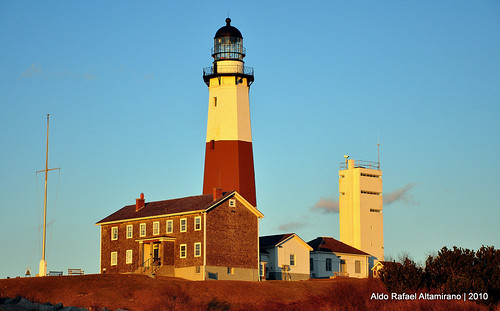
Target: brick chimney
column 217, row 193
column 139, row 203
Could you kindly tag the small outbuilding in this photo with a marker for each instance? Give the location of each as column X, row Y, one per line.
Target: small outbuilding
column 284, row 257
column 332, row 258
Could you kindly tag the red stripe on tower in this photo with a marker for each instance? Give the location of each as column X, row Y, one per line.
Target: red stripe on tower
column 228, row 154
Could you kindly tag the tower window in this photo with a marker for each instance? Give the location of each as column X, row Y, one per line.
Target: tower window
column 212, row 144
column 370, row 192
column 214, row 101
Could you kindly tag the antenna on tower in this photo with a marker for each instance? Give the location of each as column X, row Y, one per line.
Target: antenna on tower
column 378, row 148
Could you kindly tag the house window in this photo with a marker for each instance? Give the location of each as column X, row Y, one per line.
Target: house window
column 183, row 224
column 156, row 228
column 230, row 270
column 198, row 270
column 197, row 249
column 357, row 266
column 232, row 203
column 114, row 233
column 128, row 259
column 183, row 251
column 114, row 258
column 130, row 231
column 170, row 226
column 143, row 229
column 292, row 259
column 197, row 223
column 328, row 264
column 311, row 264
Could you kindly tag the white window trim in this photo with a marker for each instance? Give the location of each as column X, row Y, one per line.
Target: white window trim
column 185, row 225
column 171, row 222
column 294, row 260
column 232, row 203
column 131, row 231
column 185, row 250
column 113, row 229
column 195, row 219
column 156, row 228
column 129, row 258
column 114, row 258
column 199, row 254
column 140, row 229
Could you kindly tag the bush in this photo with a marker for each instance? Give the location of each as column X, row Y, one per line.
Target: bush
column 452, row 271
column 400, row 278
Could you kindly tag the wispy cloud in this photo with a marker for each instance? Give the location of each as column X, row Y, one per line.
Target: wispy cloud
column 326, row 206
column 88, row 76
column 292, row 226
column 400, row 195
column 34, row 69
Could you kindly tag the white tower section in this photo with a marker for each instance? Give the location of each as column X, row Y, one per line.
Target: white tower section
column 360, row 206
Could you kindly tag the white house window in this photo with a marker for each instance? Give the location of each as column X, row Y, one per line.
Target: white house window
column 183, row 251
column 128, row 259
column 183, row 224
column 197, row 249
column 292, row 259
column 328, row 264
column 230, row 270
column 357, row 266
column 170, row 226
column 143, row 229
column 156, row 228
column 114, row 233
column 197, row 223
column 130, row 231
column 232, row 203
column 114, row 258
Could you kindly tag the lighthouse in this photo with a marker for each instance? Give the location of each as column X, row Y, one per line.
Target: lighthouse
column 228, row 150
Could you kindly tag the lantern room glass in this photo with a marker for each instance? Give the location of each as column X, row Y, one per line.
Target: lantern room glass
column 228, row 48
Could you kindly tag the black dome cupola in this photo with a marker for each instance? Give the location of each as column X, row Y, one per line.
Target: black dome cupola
column 228, row 43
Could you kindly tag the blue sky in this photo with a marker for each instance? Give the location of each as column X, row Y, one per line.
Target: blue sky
column 123, row 84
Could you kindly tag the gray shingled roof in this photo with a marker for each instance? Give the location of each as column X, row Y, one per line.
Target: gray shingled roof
column 273, row 240
column 157, row 208
column 327, row 244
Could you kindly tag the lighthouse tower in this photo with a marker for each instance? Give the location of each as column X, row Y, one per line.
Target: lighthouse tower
column 228, row 154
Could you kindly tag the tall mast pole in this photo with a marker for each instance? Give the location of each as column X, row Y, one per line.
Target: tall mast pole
column 43, row 263
column 45, row 197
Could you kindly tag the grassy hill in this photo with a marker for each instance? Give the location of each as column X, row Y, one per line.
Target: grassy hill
column 136, row 292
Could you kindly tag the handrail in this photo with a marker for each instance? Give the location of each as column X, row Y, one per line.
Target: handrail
column 361, row 164
column 225, row 69
column 138, row 265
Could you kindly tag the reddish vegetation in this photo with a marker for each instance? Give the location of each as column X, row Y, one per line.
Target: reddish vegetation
column 136, row 292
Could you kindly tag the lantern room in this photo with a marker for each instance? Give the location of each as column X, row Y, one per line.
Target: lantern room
column 228, row 43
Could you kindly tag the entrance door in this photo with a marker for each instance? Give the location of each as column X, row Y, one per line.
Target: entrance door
column 146, row 255
column 156, row 253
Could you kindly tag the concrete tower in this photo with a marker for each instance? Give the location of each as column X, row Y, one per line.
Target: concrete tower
column 360, row 206
column 228, row 154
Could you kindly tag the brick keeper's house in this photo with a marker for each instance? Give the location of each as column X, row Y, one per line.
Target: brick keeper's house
column 214, row 236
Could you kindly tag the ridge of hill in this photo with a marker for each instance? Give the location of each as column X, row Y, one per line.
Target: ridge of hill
column 138, row 292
